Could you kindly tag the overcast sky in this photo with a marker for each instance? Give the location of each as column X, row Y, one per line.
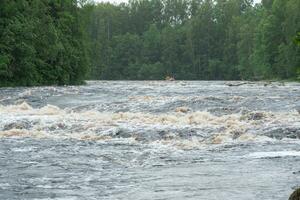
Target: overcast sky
column 119, row 1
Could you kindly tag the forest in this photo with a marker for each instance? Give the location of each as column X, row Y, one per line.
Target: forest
column 46, row 42
column 42, row 42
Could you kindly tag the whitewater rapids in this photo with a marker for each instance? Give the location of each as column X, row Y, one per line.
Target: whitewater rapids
column 150, row 140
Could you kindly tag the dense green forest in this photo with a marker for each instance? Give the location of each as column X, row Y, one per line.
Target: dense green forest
column 42, row 42
column 67, row 41
column 195, row 39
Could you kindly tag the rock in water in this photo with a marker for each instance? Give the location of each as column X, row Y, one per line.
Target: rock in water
column 182, row 110
column 17, row 125
column 298, row 109
column 295, row 195
column 256, row 116
column 236, row 84
column 169, row 78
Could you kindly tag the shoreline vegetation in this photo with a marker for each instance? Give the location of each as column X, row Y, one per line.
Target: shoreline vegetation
column 55, row 42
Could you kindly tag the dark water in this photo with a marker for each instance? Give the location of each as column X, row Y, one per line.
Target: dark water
column 150, row 140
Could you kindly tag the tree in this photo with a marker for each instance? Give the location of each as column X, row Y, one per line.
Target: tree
column 45, row 42
column 41, row 43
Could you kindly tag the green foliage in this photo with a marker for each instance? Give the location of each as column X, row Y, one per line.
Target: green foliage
column 297, row 39
column 60, row 42
column 151, row 72
column 41, row 42
column 195, row 39
column 297, row 42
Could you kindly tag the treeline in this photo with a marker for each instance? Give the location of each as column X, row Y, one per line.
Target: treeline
column 42, row 42
column 46, row 42
column 194, row 39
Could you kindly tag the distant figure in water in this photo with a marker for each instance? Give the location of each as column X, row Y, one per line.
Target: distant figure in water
column 170, row 78
column 295, row 195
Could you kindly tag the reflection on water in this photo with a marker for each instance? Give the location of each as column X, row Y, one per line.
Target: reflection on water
column 150, row 140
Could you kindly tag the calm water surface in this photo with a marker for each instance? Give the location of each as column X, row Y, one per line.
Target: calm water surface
column 150, row 140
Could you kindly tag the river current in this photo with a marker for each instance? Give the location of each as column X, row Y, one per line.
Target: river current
column 150, row 140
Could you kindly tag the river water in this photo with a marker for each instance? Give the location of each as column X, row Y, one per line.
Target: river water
column 150, row 140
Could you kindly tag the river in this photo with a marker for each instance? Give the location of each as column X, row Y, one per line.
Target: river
column 151, row 140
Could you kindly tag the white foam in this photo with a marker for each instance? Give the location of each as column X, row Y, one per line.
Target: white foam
column 51, row 121
column 273, row 154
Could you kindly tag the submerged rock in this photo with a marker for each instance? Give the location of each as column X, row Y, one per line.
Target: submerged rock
column 17, row 125
column 236, row 84
column 280, row 133
column 256, row 116
column 298, row 109
column 182, row 109
column 121, row 133
column 236, row 134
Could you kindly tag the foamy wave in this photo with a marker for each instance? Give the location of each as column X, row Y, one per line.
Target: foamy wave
column 21, row 133
column 25, row 109
column 180, row 128
column 13, row 108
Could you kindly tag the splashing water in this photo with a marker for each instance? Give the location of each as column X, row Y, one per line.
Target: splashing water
column 150, row 140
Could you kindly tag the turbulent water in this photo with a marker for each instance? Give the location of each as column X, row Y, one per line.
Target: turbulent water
column 150, row 140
